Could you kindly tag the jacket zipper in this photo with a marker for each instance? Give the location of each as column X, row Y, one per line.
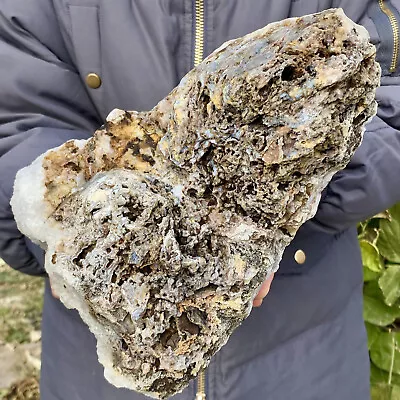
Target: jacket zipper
column 199, row 32
column 201, row 386
column 396, row 31
column 198, row 58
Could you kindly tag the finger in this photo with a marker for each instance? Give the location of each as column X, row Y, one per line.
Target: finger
column 257, row 303
column 264, row 289
column 55, row 295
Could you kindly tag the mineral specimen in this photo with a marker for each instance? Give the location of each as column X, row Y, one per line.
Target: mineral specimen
column 161, row 227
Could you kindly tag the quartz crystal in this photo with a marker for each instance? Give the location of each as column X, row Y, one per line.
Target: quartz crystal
column 161, row 227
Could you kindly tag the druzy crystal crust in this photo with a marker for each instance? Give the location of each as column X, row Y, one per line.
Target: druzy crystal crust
column 160, row 228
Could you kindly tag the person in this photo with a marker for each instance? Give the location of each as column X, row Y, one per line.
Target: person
column 65, row 64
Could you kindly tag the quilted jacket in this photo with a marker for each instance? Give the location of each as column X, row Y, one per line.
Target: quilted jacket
column 307, row 341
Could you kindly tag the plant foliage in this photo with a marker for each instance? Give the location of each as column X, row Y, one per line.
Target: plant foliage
column 380, row 249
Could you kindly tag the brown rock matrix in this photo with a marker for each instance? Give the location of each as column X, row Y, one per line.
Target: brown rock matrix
column 161, row 227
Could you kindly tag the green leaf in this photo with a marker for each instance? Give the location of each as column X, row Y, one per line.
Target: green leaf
column 372, row 332
column 389, row 282
column 389, row 238
column 372, row 289
column 380, row 392
column 376, row 312
column 395, row 393
column 370, row 256
column 380, row 376
column 383, row 391
column 385, row 352
column 370, row 275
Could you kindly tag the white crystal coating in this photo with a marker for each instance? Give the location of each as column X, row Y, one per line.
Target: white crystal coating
column 161, row 228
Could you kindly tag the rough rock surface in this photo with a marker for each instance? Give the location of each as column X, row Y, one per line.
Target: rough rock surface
column 161, row 227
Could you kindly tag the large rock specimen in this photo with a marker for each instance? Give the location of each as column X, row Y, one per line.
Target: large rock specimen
column 161, row 227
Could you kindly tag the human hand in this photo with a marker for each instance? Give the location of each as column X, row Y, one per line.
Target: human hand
column 55, row 295
column 264, row 289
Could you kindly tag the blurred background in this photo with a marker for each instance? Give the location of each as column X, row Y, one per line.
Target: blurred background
column 20, row 338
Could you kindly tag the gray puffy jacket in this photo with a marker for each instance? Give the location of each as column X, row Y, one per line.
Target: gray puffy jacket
column 308, row 340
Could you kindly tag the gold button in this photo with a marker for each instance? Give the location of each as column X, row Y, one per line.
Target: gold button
column 93, row 80
column 300, row 257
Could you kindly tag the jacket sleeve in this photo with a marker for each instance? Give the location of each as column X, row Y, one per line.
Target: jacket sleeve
column 43, row 103
column 371, row 181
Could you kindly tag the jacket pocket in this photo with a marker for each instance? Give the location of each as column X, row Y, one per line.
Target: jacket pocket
column 305, row 251
column 386, row 19
column 85, row 28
